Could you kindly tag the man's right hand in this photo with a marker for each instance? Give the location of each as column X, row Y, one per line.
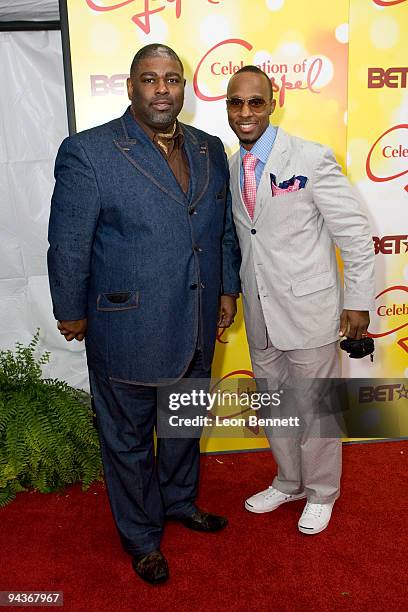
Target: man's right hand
column 73, row 329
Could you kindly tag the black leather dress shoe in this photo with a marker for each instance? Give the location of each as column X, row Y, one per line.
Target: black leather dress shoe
column 202, row 521
column 152, row 567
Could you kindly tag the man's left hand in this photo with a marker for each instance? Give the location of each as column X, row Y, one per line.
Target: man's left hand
column 354, row 323
column 228, row 310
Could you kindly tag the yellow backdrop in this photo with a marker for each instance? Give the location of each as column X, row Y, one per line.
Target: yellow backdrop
column 304, row 49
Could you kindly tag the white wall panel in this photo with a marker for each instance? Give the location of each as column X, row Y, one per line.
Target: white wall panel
column 32, row 125
column 27, row 10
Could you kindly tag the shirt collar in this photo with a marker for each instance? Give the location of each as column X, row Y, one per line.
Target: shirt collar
column 263, row 146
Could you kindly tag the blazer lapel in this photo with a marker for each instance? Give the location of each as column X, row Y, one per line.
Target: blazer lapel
column 235, row 181
column 277, row 161
column 199, row 162
column 143, row 155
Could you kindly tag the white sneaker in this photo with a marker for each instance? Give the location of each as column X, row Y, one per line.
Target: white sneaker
column 315, row 517
column 269, row 500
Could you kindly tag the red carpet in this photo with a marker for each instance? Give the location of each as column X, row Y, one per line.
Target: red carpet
column 68, row 542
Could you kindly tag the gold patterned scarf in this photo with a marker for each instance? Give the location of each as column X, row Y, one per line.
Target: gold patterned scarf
column 163, row 140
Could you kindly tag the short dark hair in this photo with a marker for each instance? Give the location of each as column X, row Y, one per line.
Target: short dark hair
column 154, row 50
column 256, row 70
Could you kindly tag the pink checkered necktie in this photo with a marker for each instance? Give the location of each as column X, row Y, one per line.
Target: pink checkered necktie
column 249, row 191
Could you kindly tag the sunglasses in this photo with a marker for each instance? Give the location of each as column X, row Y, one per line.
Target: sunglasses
column 256, row 104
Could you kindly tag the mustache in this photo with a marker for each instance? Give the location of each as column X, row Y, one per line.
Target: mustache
column 161, row 101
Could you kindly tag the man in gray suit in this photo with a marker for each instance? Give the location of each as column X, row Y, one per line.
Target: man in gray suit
column 291, row 206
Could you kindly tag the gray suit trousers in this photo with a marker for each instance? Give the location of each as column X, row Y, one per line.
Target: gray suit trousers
column 305, row 463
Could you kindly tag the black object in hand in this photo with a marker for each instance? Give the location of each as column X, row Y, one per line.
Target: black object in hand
column 358, row 348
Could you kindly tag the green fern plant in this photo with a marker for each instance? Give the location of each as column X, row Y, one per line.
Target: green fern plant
column 47, row 436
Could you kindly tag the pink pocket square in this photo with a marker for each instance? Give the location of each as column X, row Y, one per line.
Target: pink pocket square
column 293, row 184
column 277, row 191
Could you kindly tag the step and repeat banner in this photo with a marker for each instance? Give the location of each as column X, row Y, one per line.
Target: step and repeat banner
column 377, row 164
column 332, row 84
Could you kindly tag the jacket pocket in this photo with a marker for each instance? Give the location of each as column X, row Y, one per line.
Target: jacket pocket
column 305, row 286
column 221, row 194
column 124, row 300
column 289, row 196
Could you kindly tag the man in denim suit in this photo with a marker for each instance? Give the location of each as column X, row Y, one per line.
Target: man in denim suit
column 143, row 264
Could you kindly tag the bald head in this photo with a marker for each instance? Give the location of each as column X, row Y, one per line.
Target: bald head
column 253, row 70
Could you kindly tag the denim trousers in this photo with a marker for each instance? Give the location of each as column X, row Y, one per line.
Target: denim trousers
column 143, row 489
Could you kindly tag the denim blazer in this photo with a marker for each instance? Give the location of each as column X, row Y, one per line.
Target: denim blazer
column 129, row 251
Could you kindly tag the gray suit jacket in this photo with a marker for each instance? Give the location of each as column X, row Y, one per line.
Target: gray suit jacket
column 290, row 280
